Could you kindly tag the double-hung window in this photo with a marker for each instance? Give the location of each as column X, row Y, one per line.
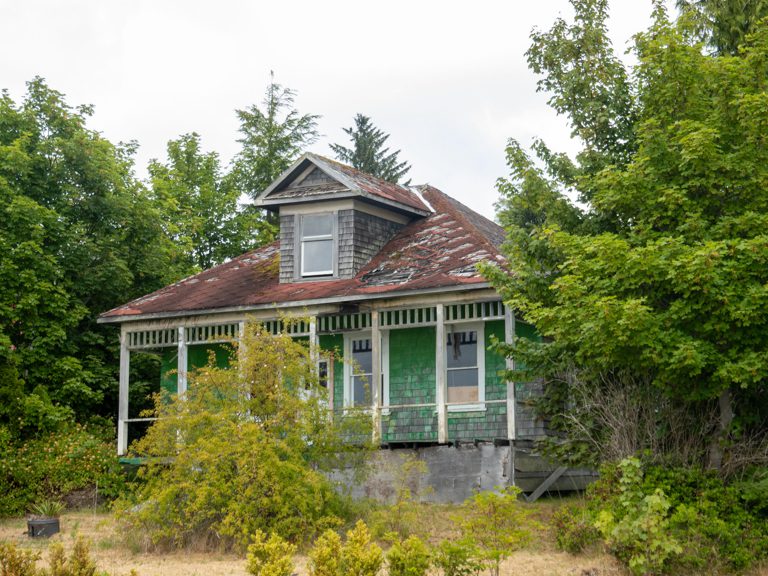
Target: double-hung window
column 358, row 369
column 465, row 365
column 317, row 245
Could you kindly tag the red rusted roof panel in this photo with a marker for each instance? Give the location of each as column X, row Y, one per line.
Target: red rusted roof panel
column 437, row 251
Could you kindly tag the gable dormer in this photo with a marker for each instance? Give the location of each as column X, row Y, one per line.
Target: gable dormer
column 334, row 219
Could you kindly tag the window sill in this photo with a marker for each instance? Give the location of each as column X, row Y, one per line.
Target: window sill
column 467, row 408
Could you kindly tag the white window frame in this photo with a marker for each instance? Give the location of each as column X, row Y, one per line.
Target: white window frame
column 478, row 327
column 349, row 368
column 324, row 237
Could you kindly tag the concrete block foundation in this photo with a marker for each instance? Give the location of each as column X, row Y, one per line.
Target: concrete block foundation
column 451, row 474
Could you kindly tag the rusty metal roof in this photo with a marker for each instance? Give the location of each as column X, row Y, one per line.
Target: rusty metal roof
column 435, row 252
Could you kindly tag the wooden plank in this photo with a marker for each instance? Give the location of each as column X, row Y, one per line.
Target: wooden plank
column 544, row 486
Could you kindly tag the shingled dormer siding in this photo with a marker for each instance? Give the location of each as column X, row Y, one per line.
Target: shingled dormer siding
column 359, row 236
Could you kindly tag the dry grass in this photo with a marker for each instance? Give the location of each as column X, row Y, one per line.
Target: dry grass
column 114, row 556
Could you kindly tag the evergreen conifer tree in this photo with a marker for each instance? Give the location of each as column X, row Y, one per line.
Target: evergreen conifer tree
column 368, row 153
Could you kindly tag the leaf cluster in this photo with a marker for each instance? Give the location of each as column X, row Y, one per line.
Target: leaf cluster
column 660, row 271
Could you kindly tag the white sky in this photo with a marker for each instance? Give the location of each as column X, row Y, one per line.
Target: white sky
column 448, row 80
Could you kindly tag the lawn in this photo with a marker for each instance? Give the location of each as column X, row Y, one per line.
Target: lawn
column 117, row 557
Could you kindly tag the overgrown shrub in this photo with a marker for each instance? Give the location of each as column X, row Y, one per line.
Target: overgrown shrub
column 661, row 520
column 360, row 556
column 242, row 451
column 325, row 556
column 271, row 556
column 406, row 516
column 456, row 558
column 496, row 523
column 17, row 562
column 410, row 557
column 53, row 465
column 574, row 529
column 357, row 556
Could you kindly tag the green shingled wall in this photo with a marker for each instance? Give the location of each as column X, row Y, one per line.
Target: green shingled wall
column 490, row 423
column 411, row 381
column 197, row 357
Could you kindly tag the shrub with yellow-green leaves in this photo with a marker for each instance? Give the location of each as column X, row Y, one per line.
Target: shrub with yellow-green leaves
column 243, row 451
column 358, row 556
column 271, row 556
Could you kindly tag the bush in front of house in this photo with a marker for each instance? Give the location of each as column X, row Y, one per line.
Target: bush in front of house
column 411, row 557
column 271, row 556
column 54, row 464
column 358, row 555
column 243, row 451
column 659, row 520
column 18, row 562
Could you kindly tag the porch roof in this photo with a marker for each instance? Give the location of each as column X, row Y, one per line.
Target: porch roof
column 438, row 251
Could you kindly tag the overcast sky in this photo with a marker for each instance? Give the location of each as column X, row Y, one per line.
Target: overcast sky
column 448, row 80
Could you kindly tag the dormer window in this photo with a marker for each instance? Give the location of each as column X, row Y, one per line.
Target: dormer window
column 316, row 237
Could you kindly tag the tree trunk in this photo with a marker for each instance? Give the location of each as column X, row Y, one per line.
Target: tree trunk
column 716, row 453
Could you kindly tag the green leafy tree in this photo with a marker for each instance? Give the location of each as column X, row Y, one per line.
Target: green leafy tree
column 368, row 153
column 272, row 138
column 723, row 25
column 78, row 235
column 199, row 204
column 662, row 275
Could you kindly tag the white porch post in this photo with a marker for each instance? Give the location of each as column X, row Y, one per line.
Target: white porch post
column 181, row 376
column 509, row 338
column 376, row 375
column 122, row 406
column 441, row 392
column 314, row 342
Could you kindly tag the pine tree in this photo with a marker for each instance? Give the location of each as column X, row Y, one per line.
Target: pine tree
column 368, row 153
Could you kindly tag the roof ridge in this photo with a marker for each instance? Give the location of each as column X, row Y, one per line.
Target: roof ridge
column 463, row 218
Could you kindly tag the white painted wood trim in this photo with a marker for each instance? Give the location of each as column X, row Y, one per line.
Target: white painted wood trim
column 124, row 382
column 509, row 338
column 441, row 392
column 376, row 375
column 181, row 376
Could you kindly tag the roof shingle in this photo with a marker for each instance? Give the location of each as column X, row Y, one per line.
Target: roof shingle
column 438, row 251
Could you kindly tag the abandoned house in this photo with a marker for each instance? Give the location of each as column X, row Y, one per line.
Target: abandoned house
column 387, row 274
